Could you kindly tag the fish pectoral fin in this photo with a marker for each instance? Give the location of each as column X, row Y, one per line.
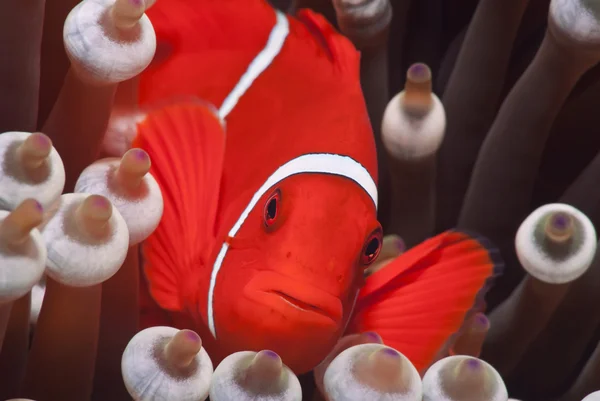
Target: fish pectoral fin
column 186, row 144
column 420, row 299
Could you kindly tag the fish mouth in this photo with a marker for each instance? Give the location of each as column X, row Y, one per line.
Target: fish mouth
column 284, row 292
column 297, row 303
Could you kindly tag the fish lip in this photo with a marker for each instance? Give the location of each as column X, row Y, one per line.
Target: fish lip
column 292, row 292
column 298, row 303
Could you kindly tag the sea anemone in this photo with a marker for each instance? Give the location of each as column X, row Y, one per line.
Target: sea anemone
column 483, row 113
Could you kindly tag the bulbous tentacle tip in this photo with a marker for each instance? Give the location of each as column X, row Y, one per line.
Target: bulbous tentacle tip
column 414, row 121
column 576, row 24
column 128, row 184
column 124, row 42
column 30, row 167
column 471, row 336
column 92, row 218
column 419, row 73
column 480, row 322
column 372, row 337
column 87, row 240
column 266, row 365
column 248, row 375
column 595, row 396
column 559, row 227
column 95, row 209
column 35, row 150
column 371, row 369
column 461, row 378
column 121, row 130
column 386, row 370
column 161, row 363
column 16, row 227
column 182, row 349
column 135, row 164
column 363, row 20
column 418, row 99
column 556, row 243
column 127, row 13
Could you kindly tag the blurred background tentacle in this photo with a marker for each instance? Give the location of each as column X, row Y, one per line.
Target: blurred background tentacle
column 472, row 97
column 413, row 128
column 21, row 27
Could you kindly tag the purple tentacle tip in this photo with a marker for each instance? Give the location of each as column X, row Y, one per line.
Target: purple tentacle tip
column 271, row 354
column 481, row 320
column 474, row 363
column 419, row 71
column 372, row 336
column 400, row 245
column 192, row 336
column 101, row 202
column 391, row 352
column 560, row 221
column 42, row 140
column 140, row 154
column 418, row 68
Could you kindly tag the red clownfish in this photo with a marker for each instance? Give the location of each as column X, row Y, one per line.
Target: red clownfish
column 270, row 196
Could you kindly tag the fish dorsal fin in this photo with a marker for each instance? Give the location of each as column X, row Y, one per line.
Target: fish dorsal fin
column 337, row 47
column 420, row 299
column 186, row 143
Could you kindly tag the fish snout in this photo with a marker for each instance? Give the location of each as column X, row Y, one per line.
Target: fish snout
column 292, row 297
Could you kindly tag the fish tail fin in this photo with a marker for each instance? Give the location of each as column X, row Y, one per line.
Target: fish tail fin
column 186, row 143
column 421, row 299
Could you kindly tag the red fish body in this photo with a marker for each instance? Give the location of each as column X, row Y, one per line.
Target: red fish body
column 262, row 146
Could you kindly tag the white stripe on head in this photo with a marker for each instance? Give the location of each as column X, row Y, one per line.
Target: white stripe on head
column 316, row 163
column 260, row 63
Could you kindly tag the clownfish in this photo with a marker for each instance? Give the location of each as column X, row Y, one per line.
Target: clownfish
column 265, row 156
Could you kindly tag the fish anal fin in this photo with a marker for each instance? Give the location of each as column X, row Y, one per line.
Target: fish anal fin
column 421, row 299
column 186, row 144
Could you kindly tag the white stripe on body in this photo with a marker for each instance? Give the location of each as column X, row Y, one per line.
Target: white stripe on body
column 323, row 163
column 260, row 63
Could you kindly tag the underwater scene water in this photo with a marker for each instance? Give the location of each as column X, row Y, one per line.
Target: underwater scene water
column 309, row 200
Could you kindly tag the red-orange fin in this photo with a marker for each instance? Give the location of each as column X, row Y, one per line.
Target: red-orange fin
column 186, row 143
column 419, row 300
column 337, row 47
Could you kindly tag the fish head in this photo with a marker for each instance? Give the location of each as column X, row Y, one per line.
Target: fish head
column 293, row 270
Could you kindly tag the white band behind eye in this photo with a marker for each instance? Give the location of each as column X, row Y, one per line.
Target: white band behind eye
column 316, row 163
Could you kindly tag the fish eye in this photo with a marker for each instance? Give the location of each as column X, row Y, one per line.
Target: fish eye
column 372, row 247
column 272, row 208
